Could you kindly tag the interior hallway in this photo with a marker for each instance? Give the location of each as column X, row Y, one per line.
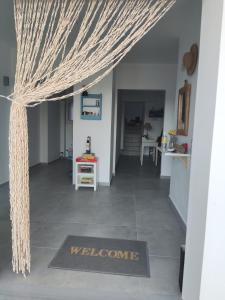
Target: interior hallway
column 134, row 207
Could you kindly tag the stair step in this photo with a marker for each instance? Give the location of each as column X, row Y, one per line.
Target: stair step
column 132, row 142
column 137, row 149
column 133, row 132
column 130, row 153
column 132, row 139
column 131, row 136
column 131, row 146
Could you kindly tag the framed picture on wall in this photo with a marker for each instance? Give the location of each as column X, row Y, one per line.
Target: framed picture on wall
column 91, row 107
column 183, row 109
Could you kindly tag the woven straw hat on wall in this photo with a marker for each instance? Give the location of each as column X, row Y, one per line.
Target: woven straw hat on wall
column 190, row 59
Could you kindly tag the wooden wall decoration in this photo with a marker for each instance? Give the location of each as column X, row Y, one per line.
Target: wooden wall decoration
column 190, row 59
column 183, row 109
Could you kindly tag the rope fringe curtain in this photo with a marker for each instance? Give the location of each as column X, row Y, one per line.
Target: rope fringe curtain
column 63, row 43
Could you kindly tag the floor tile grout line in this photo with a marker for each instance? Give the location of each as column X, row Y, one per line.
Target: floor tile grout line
column 88, row 224
column 164, row 257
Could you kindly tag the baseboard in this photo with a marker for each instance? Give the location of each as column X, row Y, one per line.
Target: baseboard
column 177, row 213
column 4, row 183
column 164, row 177
column 30, row 168
column 33, row 166
column 111, row 178
column 104, row 184
column 50, row 162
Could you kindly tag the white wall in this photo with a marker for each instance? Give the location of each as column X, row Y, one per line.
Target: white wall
column 117, row 133
column 44, row 132
column 62, row 127
column 112, row 172
column 69, row 134
column 53, row 131
column 66, row 127
column 49, row 131
column 205, row 261
column 100, row 131
column 179, row 184
column 151, row 77
column 7, row 68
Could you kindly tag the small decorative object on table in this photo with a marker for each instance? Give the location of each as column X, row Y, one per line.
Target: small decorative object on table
column 147, row 128
column 183, row 148
column 88, row 145
column 164, row 142
column 172, row 133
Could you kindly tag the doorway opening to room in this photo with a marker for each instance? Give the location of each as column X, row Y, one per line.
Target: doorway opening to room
column 66, row 135
column 50, row 128
column 140, row 122
column 66, row 140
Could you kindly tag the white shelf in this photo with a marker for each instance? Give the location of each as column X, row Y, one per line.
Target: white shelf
column 177, row 154
column 85, row 185
column 174, row 154
column 185, row 157
column 85, row 174
column 85, row 163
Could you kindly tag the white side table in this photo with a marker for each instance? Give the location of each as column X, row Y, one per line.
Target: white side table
column 86, row 174
column 147, row 143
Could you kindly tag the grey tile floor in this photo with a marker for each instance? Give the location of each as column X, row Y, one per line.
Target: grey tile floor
column 134, row 207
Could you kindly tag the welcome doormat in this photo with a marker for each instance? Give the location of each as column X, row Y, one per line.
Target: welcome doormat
column 103, row 255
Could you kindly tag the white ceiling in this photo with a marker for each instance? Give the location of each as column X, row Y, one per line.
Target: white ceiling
column 160, row 45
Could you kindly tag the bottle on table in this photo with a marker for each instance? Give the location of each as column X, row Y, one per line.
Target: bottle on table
column 164, row 142
column 88, row 145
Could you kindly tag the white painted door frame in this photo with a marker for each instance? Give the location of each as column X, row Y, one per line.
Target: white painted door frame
column 204, row 273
